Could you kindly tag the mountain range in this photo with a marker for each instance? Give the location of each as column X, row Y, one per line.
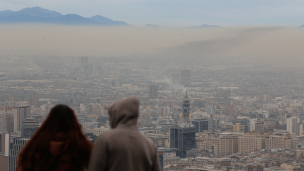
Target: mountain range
column 40, row 15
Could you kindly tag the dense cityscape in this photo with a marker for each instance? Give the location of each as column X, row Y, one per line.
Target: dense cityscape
column 203, row 117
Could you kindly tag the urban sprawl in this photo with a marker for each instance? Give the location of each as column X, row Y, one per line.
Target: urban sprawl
column 209, row 116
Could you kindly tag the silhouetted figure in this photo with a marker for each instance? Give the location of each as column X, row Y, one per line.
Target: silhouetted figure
column 58, row 145
column 124, row 148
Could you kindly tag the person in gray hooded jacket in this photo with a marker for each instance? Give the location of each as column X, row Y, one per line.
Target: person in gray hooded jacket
column 124, row 148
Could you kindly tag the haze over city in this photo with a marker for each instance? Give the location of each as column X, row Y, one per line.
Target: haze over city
column 219, row 83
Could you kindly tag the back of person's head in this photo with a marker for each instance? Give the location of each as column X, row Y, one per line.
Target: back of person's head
column 124, row 113
column 61, row 119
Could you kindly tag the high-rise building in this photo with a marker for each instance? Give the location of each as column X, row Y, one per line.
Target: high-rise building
column 29, row 127
column 20, row 114
column 185, row 77
column 293, row 125
column 182, row 136
column 4, row 144
column 16, row 147
column 153, row 92
column 186, row 109
column 33, row 99
column 84, row 61
column 201, row 125
column 7, row 121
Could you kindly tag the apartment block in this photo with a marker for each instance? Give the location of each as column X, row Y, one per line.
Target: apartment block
column 249, row 143
column 282, row 142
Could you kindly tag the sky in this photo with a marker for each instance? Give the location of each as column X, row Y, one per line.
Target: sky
column 178, row 13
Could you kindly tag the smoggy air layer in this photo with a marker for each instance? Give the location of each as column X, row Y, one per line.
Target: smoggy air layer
column 254, row 44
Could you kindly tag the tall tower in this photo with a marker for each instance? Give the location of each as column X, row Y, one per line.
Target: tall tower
column 182, row 135
column 186, row 109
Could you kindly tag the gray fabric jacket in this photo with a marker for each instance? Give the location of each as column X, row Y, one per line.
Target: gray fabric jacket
column 124, row 148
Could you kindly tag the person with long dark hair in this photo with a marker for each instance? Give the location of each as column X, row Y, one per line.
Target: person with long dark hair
column 58, row 145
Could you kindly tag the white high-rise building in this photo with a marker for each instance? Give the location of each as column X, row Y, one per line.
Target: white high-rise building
column 293, row 125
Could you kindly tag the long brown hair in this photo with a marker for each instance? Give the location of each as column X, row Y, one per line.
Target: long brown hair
column 60, row 119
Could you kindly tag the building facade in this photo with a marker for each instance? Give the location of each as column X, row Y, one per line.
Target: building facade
column 29, row 127
column 16, row 148
column 201, row 125
column 7, row 121
column 20, row 114
column 250, row 143
column 182, row 136
column 293, row 125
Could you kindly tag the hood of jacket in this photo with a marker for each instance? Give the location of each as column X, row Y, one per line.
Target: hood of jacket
column 124, row 113
column 59, row 144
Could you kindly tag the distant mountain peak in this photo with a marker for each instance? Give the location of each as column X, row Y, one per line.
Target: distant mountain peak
column 103, row 20
column 38, row 12
column 41, row 15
